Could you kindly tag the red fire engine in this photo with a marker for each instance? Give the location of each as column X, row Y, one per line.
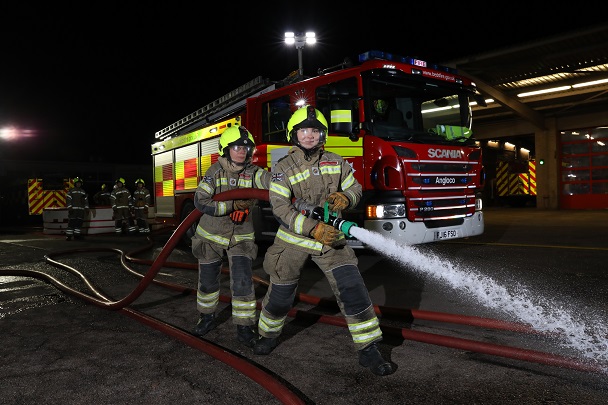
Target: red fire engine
column 403, row 124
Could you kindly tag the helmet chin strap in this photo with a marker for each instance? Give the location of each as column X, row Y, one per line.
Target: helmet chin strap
column 309, row 153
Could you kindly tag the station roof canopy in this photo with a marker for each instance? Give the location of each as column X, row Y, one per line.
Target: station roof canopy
column 573, row 66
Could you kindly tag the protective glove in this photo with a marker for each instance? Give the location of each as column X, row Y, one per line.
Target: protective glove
column 241, row 205
column 337, row 201
column 326, row 234
column 238, row 217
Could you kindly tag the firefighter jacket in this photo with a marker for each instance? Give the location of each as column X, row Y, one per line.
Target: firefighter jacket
column 77, row 201
column 102, row 197
column 215, row 226
column 120, row 198
column 313, row 181
column 141, row 198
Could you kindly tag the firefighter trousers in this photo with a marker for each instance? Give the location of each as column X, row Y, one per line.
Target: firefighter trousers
column 240, row 262
column 339, row 266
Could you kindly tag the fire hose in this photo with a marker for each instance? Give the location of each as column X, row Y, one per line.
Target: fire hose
column 268, row 382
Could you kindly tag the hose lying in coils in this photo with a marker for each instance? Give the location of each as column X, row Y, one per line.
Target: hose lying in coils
column 266, row 380
column 410, row 314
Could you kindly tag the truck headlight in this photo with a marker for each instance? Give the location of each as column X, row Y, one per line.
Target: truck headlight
column 386, row 211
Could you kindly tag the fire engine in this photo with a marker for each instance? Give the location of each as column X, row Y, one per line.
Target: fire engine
column 403, row 124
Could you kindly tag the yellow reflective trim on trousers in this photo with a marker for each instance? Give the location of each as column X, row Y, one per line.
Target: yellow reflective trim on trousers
column 207, row 300
column 215, row 238
column 276, row 188
column 370, row 323
column 243, row 309
column 302, row 242
column 341, row 116
column 271, row 325
column 367, row 337
column 245, row 236
column 298, row 223
column 366, row 331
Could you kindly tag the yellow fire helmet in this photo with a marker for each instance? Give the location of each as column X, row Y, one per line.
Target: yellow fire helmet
column 306, row 117
column 120, row 180
column 78, row 180
column 236, row 136
column 140, row 181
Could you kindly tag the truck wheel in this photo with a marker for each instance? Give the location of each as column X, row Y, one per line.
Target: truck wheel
column 190, row 232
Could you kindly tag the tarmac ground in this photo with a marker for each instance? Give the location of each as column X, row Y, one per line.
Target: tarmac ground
column 81, row 327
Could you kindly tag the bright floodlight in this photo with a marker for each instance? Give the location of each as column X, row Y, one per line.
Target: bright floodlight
column 299, row 40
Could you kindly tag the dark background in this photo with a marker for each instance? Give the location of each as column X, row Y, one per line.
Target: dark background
column 94, row 81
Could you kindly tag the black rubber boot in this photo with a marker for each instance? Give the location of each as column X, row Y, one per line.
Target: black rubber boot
column 246, row 335
column 370, row 357
column 264, row 345
column 206, row 323
column 68, row 238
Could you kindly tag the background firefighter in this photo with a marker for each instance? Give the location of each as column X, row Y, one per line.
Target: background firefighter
column 120, row 197
column 225, row 228
column 77, row 202
column 141, row 204
column 311, row 174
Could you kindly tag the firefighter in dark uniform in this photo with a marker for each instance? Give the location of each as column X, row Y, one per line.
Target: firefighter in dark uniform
column 102, row 197
column 310, row 174
column 77, row 202
column 120, row 198
column 141, row 204
column 226, row 228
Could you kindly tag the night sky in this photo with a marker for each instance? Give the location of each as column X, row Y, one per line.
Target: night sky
column 95, row 82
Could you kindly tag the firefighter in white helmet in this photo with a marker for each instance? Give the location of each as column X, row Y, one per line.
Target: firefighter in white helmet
column 311, row 174
column 141, row 204
column 77, row 202
column 225, row 227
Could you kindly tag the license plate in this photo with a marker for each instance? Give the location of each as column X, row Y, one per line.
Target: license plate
column 447, row 234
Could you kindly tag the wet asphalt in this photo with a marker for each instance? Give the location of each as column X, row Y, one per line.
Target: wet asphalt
column 66, row 337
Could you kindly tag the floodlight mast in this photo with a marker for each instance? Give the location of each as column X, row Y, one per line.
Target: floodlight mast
column 300, row 40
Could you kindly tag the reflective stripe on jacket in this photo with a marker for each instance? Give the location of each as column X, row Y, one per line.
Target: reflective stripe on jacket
column 215, row 225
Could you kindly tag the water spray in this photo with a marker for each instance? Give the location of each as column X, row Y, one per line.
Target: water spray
column 325, row 215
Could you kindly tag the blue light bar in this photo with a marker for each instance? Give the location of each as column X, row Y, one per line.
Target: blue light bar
column 379, row 55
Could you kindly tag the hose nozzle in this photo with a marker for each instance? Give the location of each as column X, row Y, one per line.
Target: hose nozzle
column 323, row 214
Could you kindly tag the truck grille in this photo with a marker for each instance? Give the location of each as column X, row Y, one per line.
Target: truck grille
column 441, row 194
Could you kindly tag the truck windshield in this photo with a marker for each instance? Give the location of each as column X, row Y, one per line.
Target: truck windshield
column 401, row 106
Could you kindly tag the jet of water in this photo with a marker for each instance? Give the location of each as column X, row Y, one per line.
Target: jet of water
column 590, row 340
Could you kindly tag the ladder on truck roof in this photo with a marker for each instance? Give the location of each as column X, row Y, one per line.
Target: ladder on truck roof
column 221, row 105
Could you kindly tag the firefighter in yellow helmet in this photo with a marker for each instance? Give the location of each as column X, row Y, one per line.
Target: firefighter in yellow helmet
column 102, row 197
column 141, row 204
column 225, row 227
column 77, row 202
column 311, row 175
column 120, row 198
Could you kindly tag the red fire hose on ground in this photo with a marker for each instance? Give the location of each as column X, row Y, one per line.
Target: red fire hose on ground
column 268, row 382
